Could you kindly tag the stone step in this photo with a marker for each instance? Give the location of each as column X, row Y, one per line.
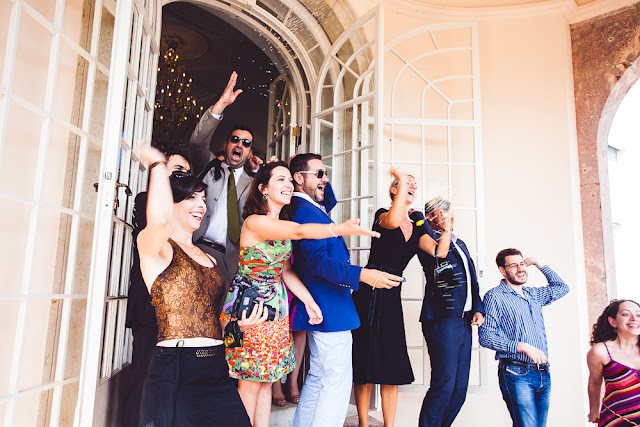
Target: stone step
column 283, row 416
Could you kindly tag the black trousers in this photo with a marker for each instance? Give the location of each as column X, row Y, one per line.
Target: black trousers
column 449, row 345
column 188, row 386
column 144, row 342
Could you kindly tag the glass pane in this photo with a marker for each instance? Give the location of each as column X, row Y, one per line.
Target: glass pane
column 73, row 359
column 83, row 256
column 461, row 111
column 51, row 252
column 435, row 144
column 126, row 261
column 28, row 409
column 32, row 61
column 116, row 259
column 60, row 169
column 21, row 142
column 71, row 86
column 38, row 356
column 77, row 22
column 326, row 138
column 437, row 181
column 99, row 106
column 68, row 406
column 5, row 12
column 463, row 183
column 8, row 317
column 88, row 193
column 341, row 176
column 44, row 7
column 107, row 338
column 462, row 145
column 407, row 143
column 433, row 104
column 14, row 220
column 118, row 335
column 345, row 126
column 106, row 37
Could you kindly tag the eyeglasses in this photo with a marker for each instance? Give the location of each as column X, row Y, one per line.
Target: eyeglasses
column 180, row 174
column 320, row 173
column 515, row 265
column 245, row 142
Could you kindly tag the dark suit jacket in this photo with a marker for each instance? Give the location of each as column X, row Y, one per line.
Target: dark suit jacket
column 200, row 157
column 433, row 305
column 324, row 268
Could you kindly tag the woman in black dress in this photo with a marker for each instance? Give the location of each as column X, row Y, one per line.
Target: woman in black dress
column 379, row 344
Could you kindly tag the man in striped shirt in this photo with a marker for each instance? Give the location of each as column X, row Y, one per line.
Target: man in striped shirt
column 514, row 328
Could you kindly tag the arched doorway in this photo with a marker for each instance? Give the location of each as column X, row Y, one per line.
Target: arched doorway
column 618, row 132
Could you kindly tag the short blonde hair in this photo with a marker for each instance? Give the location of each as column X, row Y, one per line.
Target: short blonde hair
column 394, row 184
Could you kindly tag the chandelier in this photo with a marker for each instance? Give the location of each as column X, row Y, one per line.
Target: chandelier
column 176, row 112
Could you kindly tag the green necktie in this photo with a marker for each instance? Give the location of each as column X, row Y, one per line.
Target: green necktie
column 233, row 217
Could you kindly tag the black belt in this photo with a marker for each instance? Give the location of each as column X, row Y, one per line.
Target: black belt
column 213, row 245
column 534, row 366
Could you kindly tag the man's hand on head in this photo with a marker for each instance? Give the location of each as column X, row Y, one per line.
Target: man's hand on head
column 532, row 261
column 228, row 96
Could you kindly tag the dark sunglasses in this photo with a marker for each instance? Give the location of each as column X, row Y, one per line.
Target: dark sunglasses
column 180, row 174
column 245, row 142
column 320, row 173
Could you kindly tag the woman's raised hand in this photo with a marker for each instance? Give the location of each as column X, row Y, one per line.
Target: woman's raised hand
column 352, row 227
column 258, row 315
column 315, row 315
column 148, row 154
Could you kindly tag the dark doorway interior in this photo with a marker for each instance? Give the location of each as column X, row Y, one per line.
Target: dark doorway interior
column 210, row 49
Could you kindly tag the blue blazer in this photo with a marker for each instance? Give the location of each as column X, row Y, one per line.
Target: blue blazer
column 433, row 305
column 324, row 268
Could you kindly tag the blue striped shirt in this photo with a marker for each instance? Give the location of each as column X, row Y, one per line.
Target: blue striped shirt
column 510, row 318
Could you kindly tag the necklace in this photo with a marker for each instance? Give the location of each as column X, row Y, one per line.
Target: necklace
column 192, row 247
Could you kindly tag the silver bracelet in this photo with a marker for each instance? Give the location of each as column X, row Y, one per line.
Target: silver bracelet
column 331, row 231
column 376, row 282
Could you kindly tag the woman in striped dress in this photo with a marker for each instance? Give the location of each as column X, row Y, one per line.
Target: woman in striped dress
column 615, row 357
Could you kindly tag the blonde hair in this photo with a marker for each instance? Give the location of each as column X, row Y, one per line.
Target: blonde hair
column 394, row 184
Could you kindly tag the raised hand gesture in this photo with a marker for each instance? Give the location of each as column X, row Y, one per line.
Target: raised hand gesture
column 228, row 96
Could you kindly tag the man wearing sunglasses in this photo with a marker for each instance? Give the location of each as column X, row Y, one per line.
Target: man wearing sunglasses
column 324, row 267
column 514, row 328
column 141, row 315
column 228, row 182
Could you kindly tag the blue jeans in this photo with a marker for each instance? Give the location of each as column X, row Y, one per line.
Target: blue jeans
column 526, row 393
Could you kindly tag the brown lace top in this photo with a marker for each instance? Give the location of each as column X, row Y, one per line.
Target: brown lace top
column 187, row 297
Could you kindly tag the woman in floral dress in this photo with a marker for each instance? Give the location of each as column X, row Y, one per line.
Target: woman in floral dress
column 265, row 250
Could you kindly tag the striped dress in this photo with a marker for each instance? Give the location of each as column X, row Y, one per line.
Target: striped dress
column 621, row 403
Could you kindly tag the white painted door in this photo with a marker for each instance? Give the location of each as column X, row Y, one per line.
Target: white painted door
column 129, row 117
column 283, row 134
column 346, row 124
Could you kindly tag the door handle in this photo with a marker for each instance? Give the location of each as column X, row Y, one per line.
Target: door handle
column 127, row 191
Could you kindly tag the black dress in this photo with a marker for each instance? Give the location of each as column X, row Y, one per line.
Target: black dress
column 379, row 344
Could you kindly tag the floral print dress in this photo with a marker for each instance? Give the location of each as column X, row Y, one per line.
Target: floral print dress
column 268, row 352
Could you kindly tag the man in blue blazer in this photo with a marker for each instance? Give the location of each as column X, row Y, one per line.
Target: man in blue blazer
column 325, row 269
column 447, row 317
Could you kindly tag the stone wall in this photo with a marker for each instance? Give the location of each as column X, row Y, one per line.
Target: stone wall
column 605, row 53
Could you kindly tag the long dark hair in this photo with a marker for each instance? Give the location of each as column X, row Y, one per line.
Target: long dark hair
column 255, row 203
column 183, row 186
column 602, row 329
